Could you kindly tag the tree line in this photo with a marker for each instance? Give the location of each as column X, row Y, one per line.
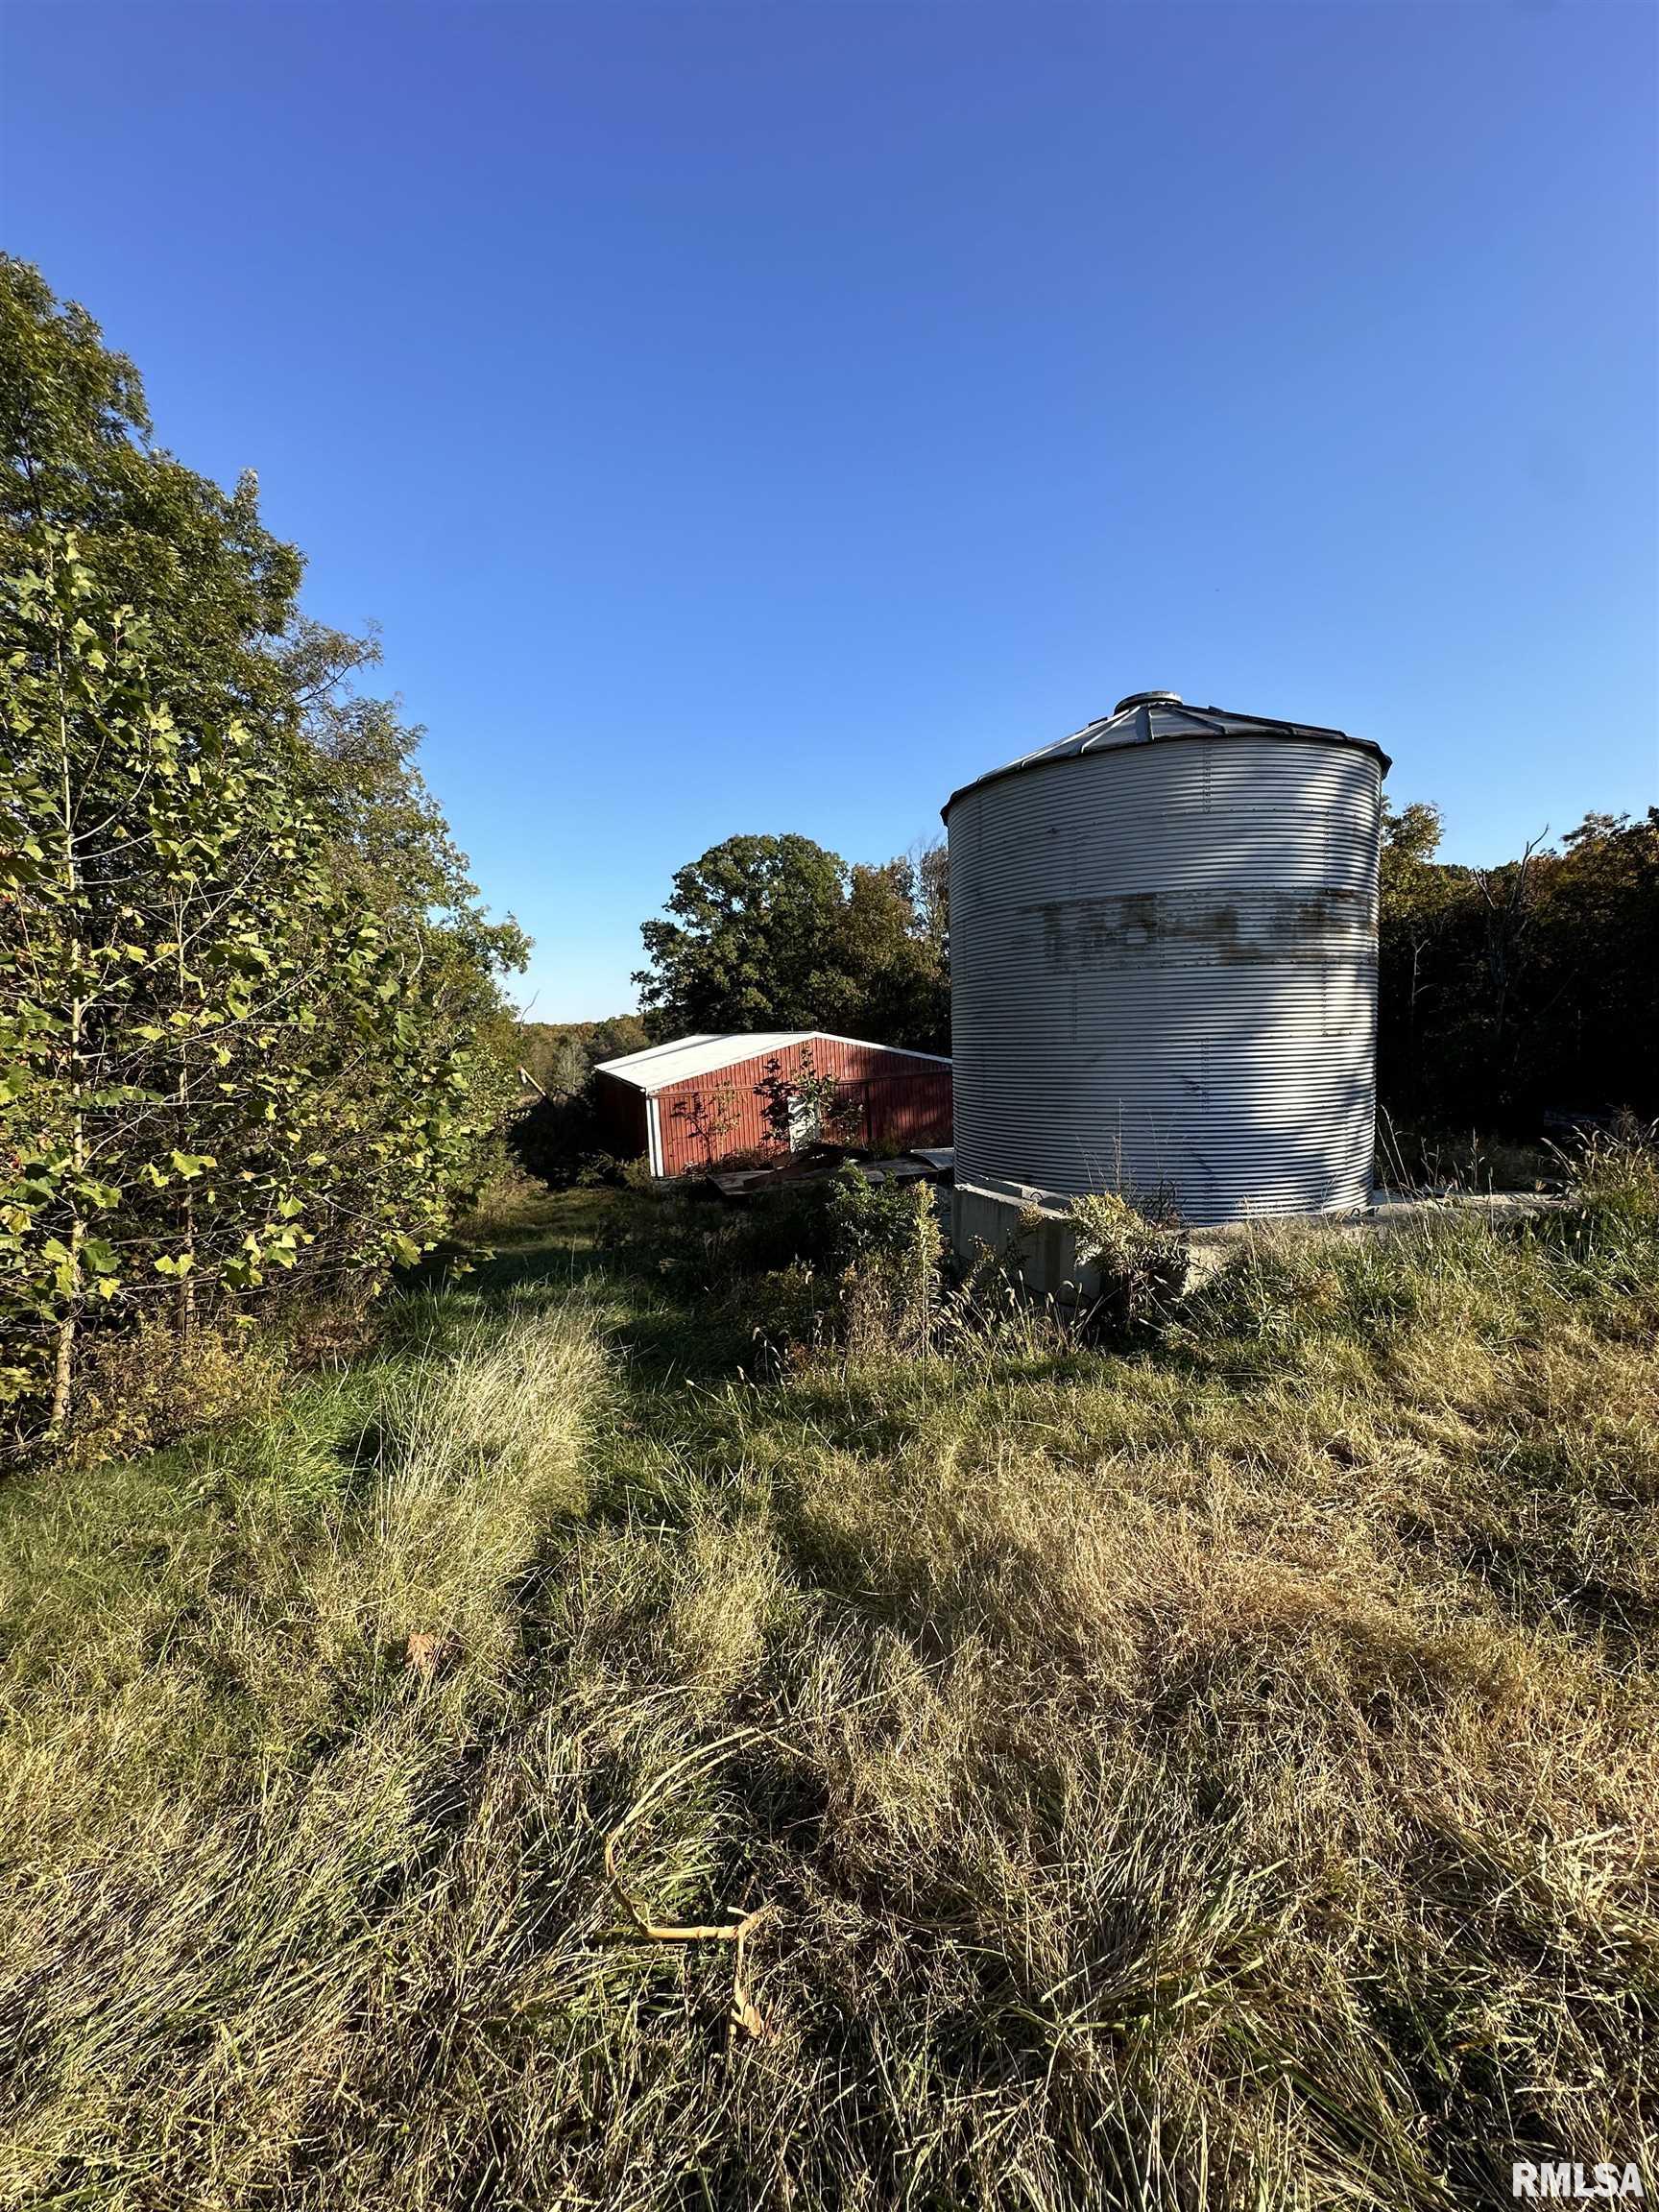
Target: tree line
column 253, row 1041
column 556, row 1058
column 1524, row 997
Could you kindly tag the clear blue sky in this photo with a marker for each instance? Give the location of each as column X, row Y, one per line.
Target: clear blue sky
column 769, row 417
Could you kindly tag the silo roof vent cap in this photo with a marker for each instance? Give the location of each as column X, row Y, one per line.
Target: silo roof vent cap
column 1147, row 699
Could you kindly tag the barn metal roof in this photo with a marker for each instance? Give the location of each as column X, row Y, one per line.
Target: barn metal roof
column 1146, row 717
column 661, row 1065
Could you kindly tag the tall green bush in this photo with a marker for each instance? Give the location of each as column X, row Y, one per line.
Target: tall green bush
column 217, row 1072
column 250, row 1031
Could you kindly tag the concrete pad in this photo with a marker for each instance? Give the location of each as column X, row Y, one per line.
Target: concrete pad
column 1030, row 1228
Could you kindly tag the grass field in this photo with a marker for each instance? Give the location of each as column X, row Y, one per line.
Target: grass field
column 1224, row 1774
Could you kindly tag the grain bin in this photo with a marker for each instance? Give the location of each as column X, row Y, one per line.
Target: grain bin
column 1163, row 965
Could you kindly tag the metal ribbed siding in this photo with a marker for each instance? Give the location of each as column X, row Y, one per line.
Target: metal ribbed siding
column 900, row 1099
column 1164, row 974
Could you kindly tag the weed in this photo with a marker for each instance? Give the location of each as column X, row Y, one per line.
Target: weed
column 149, row 1385
column 1141, row 1262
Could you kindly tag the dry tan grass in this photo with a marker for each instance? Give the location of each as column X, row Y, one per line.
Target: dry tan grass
column 1221, row 1776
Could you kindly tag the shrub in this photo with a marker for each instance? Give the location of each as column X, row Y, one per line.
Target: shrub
column 551, row 1139
column 784, row 1226
column 149, row 1385
column 250, row 1015
column 888, row 1247
column 787, row 1313
column 1141, row 1262
column 868, row 1220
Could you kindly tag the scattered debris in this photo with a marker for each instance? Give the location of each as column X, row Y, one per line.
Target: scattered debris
column 933, row 1165
column 744, row 2015
column 428, row 1654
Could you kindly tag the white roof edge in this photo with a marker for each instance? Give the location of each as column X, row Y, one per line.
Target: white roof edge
column 632, row 1069
column 909, row 1051
column 654, row 1051
column 641, row 1068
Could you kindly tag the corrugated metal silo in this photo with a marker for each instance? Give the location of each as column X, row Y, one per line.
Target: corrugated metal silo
column 1164, row 963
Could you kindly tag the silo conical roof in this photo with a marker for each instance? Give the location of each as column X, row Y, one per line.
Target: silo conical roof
column 1151, row 717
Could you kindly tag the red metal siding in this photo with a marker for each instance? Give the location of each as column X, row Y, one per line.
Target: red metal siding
column 621, row 1117
column 904, row 1099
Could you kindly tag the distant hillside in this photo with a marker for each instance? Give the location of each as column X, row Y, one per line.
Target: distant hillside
column 560, row 1055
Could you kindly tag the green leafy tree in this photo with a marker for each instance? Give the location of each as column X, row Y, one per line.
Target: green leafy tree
column 161, row 895
column 750, row 942
column 1510, row 992
column 892, row 963
column 777, row 933
column 1585, row 1002
column 216, row 589
column 556, row 1133
column 615, row 1037
column 1424, row 908
column 250, row 1025
column 219, row 1066
column 560, row 1056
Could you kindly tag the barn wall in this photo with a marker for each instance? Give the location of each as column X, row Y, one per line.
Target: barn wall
column 620, row 1111
column 904, row 1098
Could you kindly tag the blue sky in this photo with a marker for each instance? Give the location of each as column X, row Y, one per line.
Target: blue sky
column 768, row 417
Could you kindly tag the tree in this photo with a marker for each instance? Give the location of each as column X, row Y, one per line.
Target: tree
column 1423, row 904
column 217, row 592
column 750, row 941
column 777, row 933
column 892, row 962
column 1508, row 993
column 1587, row 1010
column 614, row 1038
column 556, row 1133
column 249, row 1005
column 561, row 1056
column 220, row 1065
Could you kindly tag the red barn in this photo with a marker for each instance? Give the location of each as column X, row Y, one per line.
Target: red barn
column 688, row 1105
